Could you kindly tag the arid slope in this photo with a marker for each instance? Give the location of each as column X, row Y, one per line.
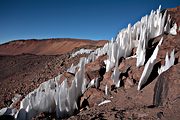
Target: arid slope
column 46, row 46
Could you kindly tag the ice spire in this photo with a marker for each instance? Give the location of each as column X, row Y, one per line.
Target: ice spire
column 168, row 62
column 149, row 66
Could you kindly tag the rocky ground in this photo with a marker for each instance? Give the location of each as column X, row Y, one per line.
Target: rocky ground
column 22, row 73
column 158, row 99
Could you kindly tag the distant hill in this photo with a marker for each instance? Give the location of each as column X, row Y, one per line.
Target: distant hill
column 46, row 46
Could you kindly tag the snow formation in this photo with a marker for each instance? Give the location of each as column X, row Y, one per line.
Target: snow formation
column 51, row 96
column 168, row 62
column 81, row 51
column 149, row 66
column 173, row 30
column 104, row 102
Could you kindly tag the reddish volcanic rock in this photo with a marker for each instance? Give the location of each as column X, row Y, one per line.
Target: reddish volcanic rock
column 93, row 96
column 95, row 69
column 175, row 14
column 133, row 72
column 128, row 83
column 167, row 89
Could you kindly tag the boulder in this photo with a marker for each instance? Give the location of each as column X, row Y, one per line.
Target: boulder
column 91, row 97
column 167, row 88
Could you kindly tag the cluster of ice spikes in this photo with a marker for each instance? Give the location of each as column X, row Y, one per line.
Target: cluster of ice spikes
column 51, row 96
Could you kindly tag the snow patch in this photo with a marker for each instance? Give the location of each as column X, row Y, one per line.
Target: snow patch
column 81, row 51
column 104, row 102
column 173, row 29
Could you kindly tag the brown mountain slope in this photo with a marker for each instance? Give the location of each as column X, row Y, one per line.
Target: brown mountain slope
column 46, row 46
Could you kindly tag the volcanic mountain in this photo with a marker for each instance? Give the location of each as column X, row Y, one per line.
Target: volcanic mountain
column 46, row 46
column 134, row 76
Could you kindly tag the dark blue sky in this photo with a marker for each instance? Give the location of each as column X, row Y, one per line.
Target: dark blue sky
column 89, row 19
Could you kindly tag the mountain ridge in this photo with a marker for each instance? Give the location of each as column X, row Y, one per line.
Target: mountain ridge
column 52, row 46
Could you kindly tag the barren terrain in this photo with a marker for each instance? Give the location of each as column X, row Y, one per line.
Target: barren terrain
column 26, row 64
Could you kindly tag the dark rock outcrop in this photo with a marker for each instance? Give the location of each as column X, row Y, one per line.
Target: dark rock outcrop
column 167, row 89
